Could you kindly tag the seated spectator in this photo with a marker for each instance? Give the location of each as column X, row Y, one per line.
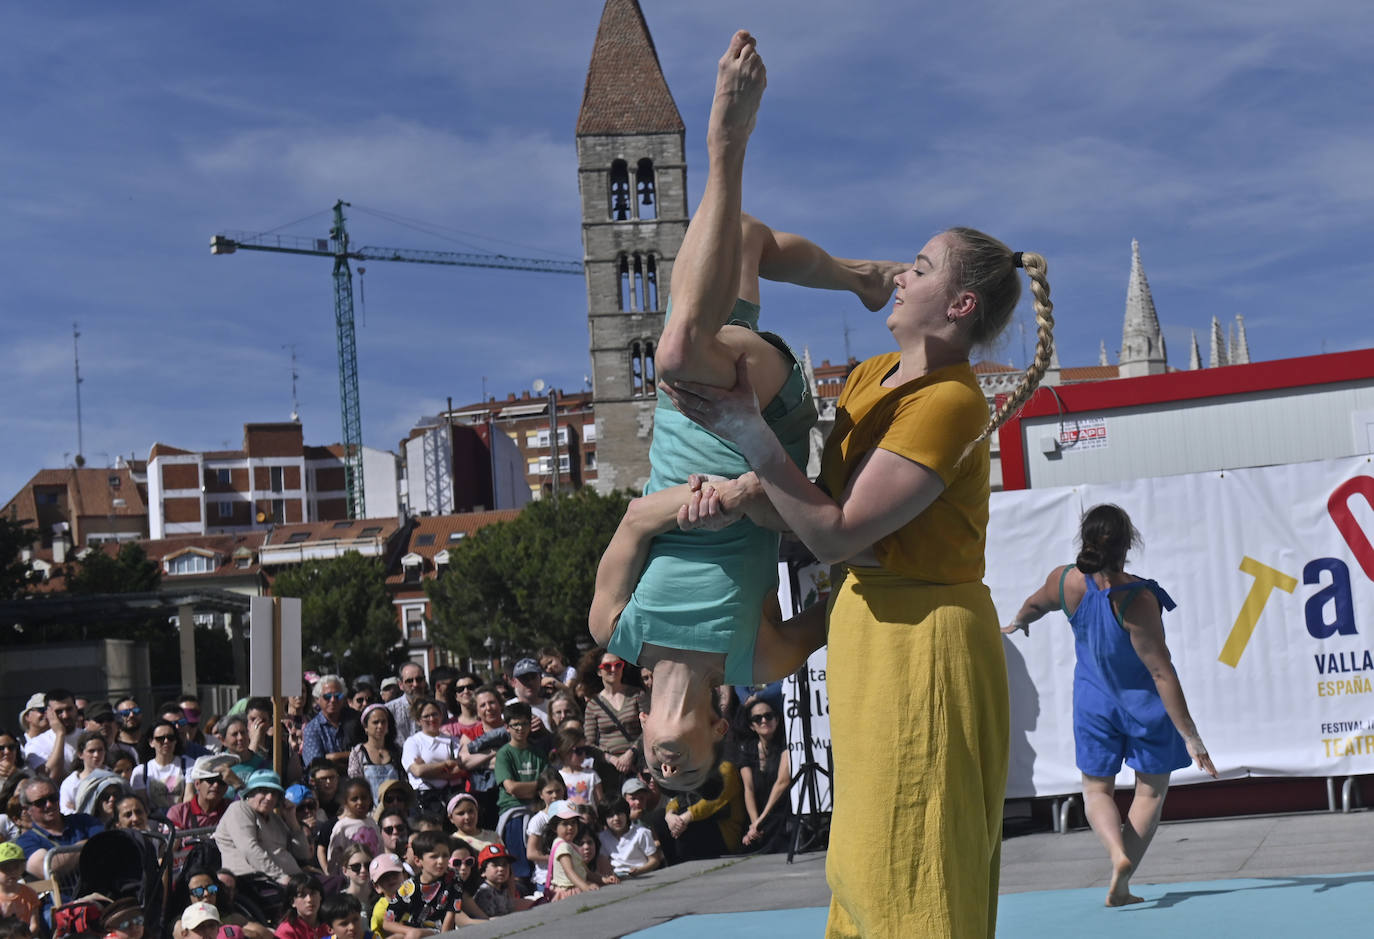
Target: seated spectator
column 394, row 795
column 187, row 744
column 90, row 755
column 568, row 873
column 124, row 919
column 377, row 758
column 395, row 834
column 462, row 813
column 49, row 828
column 17, row 899
column 131, row 812
column 324, row 782
column 645, row 801
column 198, row 723
column 496, row 895
column 628, row 845
column 388, row 873
column 130, row 720
column 198, row 921
column 430, row 758
column 100, row 719
column 432, row 898
column 462, row 705
column 441, row 685
column 462, row 860
column 259, row 834
column 209, row 788
column 221, row 889
column 98, row 794
column 162, row 779
column 328, row 735
column 356, row 860
column 391, row 689
column 355, row 825
column 483, row 740
column 765, row 775
column 302, row 919
column 706, row 823
column 364, row 694
column 563, row 707
column 122, row 763
column 611, row 718
column 598, row 864
column 12, row 767
column 342, row 914
column 53, row 752
column 34, row 718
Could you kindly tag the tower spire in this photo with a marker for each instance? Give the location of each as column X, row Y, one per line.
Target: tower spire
column 1194, row 359
column 1240, row 351
column 1217, row 356
column 1142, row 341
column 626, row 92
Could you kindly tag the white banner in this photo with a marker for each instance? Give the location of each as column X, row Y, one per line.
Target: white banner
column 813, row 583
column 1273, row 572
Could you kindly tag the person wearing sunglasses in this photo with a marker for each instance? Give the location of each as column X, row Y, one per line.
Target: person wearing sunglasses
column 765, row 772
column 611, row 721
column 357, row 859
column 209, row 794
column 162, row 779
column 49, row 828
column 462, row 706
column 123, row 919
column 172, row 713
column 326, row 734
column 129, row 716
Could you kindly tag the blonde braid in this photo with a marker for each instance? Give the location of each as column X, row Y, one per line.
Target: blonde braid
column 1036, row 270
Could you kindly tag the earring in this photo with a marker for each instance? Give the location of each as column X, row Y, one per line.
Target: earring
column 950, row 317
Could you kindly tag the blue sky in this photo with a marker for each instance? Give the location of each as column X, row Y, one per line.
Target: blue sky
column 1233, row 140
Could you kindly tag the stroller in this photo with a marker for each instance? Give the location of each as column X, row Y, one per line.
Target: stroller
column 124, row 863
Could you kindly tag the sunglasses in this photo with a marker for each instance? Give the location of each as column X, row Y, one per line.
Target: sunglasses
column 762, row 718
column 461, row 688
column 356, row 868
column 395, row 829
column 42, row 802
column 165, row 738
column 411, row 681
column 611, row 666
column 9, row 746
column 124, row 925
column 465, row 862
column 208, row 890
column 333, row 696
column 129, row 712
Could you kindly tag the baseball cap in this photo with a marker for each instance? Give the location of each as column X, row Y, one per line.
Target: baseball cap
column 208, row 767
column 197, row 914
column 297, row 794
column 563, row 809
column 9, row 851
column 490, row 853
column 392, row 682
column 100, row 712
column 526, row 667
column 37, row 702
column 633, row 784
column 384, row 864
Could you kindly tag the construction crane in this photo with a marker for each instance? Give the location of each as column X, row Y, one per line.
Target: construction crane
column 337, row 246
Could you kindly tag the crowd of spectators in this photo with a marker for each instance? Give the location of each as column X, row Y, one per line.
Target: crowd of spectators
column 398, row 808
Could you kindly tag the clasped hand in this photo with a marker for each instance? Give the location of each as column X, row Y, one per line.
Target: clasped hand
column 715, row 503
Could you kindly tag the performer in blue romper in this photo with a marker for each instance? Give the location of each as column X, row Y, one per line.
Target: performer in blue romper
column 1127, row 700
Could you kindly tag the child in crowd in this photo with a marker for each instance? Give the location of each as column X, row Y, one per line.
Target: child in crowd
column 433, row 898
column 16, row 898
column 199, row 921
column 462, row 812
column 598, row 864
column 552, row 789
column 568, row 875
column 355, row 863
column 497, row 895
column 575, row 763
column 302, row 919
column 517, row 764
column 355, row 825
column 629, row 845
column 343, row 914
column 388, row 873
column 463, row 863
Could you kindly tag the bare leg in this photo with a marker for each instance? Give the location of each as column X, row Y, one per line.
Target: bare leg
column 1105, row 819
column 706, row 273
column 1143, row 818
column 792, row 259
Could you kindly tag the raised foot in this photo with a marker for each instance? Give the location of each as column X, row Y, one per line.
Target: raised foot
column 1119, row 891
column 740, row 80
column 877, row 280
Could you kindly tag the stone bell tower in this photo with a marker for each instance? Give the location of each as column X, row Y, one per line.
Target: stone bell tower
column 632, row 177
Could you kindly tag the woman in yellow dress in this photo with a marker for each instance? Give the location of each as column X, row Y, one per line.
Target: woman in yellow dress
column 915, row 672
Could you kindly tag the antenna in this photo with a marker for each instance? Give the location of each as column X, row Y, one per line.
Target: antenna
column 847, row 356
column 295, row 405
column 76, row 360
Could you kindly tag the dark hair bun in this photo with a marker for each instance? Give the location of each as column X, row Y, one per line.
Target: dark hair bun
column 1089, row 560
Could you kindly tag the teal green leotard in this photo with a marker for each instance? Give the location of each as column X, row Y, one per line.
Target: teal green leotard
column 704, row 590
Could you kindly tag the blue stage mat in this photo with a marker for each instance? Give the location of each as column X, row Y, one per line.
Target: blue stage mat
column 1256, row 908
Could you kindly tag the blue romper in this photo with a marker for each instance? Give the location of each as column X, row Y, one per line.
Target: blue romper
column 1117, row 712
column 704, row 590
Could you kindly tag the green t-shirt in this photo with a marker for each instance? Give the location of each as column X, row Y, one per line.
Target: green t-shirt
column 519, row 766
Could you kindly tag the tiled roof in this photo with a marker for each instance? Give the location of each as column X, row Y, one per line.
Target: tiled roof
column 991, row 368
column 435, row 533
column 345, row 530
column 89, row 493
column 626, row 92
column 224, row 546
column 162, row 449
column 1088, row 373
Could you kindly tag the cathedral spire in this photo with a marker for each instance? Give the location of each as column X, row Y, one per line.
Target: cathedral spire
column 1194, row 359
column 626, row 92
column 1142, row 341
column 1240, row 351
column 1217, row 356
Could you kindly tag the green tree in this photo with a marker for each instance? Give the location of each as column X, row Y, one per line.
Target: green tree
column 528, row 581
column 129, row 571
column 348, row 623
column 14, row 573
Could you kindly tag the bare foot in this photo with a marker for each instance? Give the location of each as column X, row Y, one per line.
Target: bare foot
column 740, row 80
column 1119, row 892
column 877, row 280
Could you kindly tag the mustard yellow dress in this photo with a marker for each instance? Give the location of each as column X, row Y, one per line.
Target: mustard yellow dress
column 916, row 677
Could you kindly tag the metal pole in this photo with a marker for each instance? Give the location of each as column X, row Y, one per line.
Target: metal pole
column 553, row 438
column 276, row 687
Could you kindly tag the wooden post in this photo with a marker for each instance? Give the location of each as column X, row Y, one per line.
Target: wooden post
column 276, row 688
column 186, row 630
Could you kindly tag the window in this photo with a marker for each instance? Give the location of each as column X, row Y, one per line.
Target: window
column 296, row 537
column 589, row 459
column 543, row 438
column 532, row 439
column 222, row 477
column 340, row 525
column 45, row 498
column 620, row 191
column 641, row 369
column 628, row 301
column 114, row 481
column 651, row 283
column 532, row 466
column 424, row 540
column 371, row 531
column 190, row 564
column 276, row 472
column 412, row 565
column 589, row 433
column 225, row 509
column 644, row 188
column 456, row 536
column 242, row 563
column 415, row 623
column 638, row 277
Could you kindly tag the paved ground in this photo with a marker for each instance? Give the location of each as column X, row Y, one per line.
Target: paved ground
column 1291, row 852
